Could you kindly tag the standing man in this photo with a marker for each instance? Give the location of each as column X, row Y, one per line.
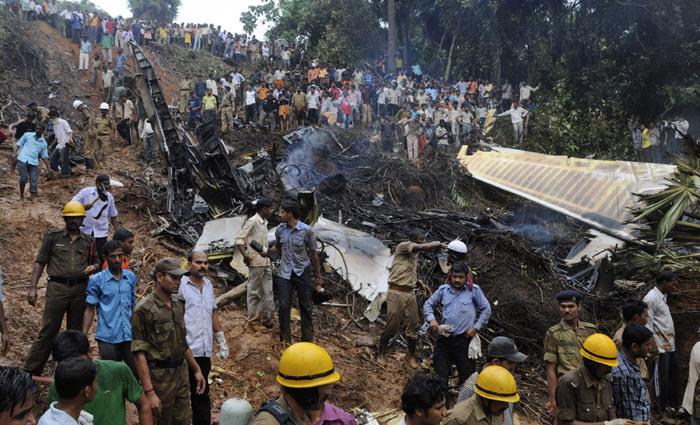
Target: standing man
column 202, row 324
column 495, row 391
column 160, row 347
column 388, row 132
column 630, row 399
column 106, row 128
column 466, row 310
column 17, row 390
column 666, row 373
column 296, row 243
column 424, row 400
column 563, row 343
column 681, row 126
column 226, row 109
column 107, row 44
column 299, row 105
column 186, row 86
column 101, row 212
column 85, row 49
column 635, row 311
column 89, row 134
column 585, row 395
column 29, row 149
column 107, row 77
column 516, row 118
column 209, row 106
column 64, row 139
column 112, row 292
column 69, row 257
column 401, row 300
column 124, row 126
column 260, row 299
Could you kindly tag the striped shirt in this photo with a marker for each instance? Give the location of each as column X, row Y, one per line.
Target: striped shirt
column 629, row 392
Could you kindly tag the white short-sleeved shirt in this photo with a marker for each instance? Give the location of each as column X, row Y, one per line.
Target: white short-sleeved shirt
column 660, row 321
column 199, row 308
column 98, row 227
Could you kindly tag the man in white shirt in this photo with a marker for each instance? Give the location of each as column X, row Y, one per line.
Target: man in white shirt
column 260, row 301
column 211, row 84
column 526, row 90
column 98, row 213
column 201, row 323
column 681, row 126
column 63, row 137
column 516, row 117
column 314, row 103
column 666, row 373
column 690, row 399
column 149, row 142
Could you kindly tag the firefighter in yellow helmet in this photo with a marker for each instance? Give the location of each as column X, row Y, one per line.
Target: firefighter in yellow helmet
column 306, row 375
column 69, row 257
column 495, row 389
column 585, row 394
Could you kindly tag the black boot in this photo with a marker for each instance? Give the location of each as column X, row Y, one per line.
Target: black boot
column 411, row 355
column 381, row 355
column 89, row 164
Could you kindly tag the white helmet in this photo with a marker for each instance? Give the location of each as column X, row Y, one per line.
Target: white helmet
column 457, row 246
column 104, row 106
column 77, row 104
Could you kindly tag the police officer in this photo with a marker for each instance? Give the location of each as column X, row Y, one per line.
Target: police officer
column 306, row 373
column 186, row 86
column 585, row 394
column 226, row 110
column 69, row 257
column 89, row 134
column 495, row 390
column 563, row 342
column 160, row 347
column 106, row 128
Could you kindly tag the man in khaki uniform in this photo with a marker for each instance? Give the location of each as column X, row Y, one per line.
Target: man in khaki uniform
column 160, row 347
column 106, row 129
column 226, row 110
column 400, row 300
column 87, row 120
column 70, row 257
column 186, row 86
column 495, row 390
column 585, row 394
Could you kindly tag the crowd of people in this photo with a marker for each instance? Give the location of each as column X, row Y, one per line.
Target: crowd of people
column 658, row 141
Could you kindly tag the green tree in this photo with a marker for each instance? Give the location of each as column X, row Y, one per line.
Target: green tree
column 162, row 10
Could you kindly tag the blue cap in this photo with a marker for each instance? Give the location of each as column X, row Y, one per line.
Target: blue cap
column 570, row 296
column 32, row 103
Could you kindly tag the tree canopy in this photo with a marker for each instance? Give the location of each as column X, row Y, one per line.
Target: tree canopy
column 165, row 10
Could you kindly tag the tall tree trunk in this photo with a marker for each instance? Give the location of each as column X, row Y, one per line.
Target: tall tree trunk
column 449, row 56
column 406, row 43
column 391, row 44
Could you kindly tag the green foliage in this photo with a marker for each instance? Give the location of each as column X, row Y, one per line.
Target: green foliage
column 160, row 10
column 86, row 6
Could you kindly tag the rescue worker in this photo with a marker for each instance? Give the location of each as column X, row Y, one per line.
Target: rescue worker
column 400, row 300
column 186, row 86
column 42, row 113
column 106, row 128
column 87, row 120
column 563, row 342
column 70, row 257
column 160, row 347
column 306, row 374
column 585, row 394
column 226, row 110
column 495, row 390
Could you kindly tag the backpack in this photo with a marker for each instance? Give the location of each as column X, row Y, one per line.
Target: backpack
column 273, row 408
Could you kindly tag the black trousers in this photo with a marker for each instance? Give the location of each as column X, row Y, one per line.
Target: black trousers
column 124, row 130
column 250, row 113
column 313, row 116
column 285, row 290
column 99, row 244
column 665, row 382
column 455, row 350
column 201, row 403
column 118, row 352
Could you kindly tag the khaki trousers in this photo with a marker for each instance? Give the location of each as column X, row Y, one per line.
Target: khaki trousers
column 366, row 114
column 401, row 305
column 226, row 119
column 102, row 144
column 184, row 97
column 172, row 387
column 261, row 304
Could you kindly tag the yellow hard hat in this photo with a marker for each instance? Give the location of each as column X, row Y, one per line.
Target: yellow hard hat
column 496, row 383
column 306, row 365
column 601, row 349
column 74, row 209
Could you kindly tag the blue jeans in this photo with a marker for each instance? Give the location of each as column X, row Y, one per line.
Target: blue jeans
column 346, row 121
column 197, row 43
column 29, row 172
column 64, row 156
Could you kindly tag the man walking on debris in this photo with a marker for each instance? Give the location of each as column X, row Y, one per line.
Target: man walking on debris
column 260, row 300
column 126, row 238
column 27, row 152
column 630, row 398
column 100, row 204
column 89, row 133
column 306, row 375
column 63, row 142
column 516, row 118
column 461, row 302
column 585, row 395
column 226, row 110
column 160, row 347
column 424, row 401
column 563, row 342
column 495, row 391
column 186, row 86
column 106, row 129
column 69, row 256
column 401, row 300
column 501, row 352
column 202, row 324
column 296, row 243
column 666, row 373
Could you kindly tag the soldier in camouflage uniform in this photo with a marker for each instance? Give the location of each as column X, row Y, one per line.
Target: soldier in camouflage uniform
column 160, row 347
column 563, row 342
column 87, row 118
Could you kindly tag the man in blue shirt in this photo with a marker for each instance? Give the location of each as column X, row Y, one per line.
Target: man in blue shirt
column 297, row 244
column 112, row 292
column 200, row 87
column 30, row 147
column 461, row 302
column 630, row 400
column 195, row 106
